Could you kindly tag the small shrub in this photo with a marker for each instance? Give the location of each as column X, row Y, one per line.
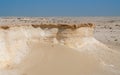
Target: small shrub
column 115, row 40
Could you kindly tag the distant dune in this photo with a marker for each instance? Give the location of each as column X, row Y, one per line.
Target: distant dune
column 59, row 46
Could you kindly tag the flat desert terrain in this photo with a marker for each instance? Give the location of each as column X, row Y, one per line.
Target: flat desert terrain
column 59, row 45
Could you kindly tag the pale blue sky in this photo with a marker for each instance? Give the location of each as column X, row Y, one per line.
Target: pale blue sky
column 59, row 7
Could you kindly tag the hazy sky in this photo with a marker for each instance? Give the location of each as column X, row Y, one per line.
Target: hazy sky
column 59, row 7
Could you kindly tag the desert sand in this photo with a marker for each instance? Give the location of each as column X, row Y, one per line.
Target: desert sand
column 59, row 46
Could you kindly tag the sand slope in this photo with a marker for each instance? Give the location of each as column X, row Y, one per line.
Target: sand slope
column 56, row 60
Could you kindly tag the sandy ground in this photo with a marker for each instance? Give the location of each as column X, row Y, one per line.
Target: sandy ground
column 60, row 60
column 49, row 59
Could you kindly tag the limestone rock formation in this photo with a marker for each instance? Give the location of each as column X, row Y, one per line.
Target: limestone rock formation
column 41, row 48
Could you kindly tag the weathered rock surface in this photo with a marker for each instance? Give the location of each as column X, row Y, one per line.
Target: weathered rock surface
column 55, row 49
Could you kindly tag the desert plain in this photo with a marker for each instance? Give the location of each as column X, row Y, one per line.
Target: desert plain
column 59, row 45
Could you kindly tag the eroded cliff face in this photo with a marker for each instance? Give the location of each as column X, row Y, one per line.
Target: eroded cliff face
column 20, row 45
column 14, row 39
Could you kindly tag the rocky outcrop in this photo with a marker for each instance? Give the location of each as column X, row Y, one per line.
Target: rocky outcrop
column 58, row 31
column 14, row 39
